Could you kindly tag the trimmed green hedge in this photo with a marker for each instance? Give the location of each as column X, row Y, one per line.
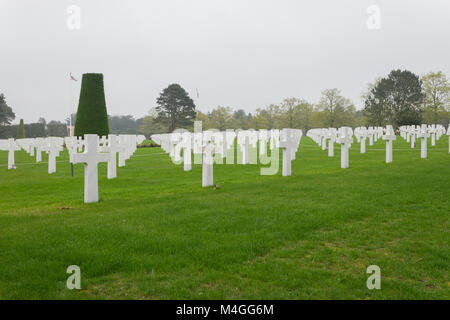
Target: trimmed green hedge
column 92, row 116
column 20, row 130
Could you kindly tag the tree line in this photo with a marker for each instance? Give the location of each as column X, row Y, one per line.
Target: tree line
column 400, row 98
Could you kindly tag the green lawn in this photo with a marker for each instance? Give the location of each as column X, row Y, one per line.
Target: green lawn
column 157, row 234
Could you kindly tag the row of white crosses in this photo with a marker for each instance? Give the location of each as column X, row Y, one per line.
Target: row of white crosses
column 423, row 132
column 103, row 150
column 52, row 145
column 213, row 146
column 96, row 150
column 344, row 136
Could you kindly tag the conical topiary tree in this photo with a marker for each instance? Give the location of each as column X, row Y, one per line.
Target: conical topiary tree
column 21, row 130
column 91, row 115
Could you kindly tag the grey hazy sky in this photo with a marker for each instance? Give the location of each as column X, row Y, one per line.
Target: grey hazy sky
column 238, row 53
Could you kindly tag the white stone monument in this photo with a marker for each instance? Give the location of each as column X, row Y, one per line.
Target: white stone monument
column 187, row 147
column 207, row 165
column 288, row 144
column 54, row 148
column 113, row 147
column 345, row 139
column 423, row 134
column 91, row 158
column 389, row 137
column 448, row 133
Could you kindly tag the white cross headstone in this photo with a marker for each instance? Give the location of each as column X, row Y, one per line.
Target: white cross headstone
column 90, row 157
column 423, row 134
column 371, row 132
column 263, row 136
column 389, row 137
column 12, row 147
column 324, row 139
column 207, row 165
column 113, row 148
column 54, row 148
column 244, row 143
column 448, row 133
column 288, row 144
column 187, row 147
column 363, row 136
column 40, row 144
column 412, row 132
column 331, row 140
column 123, row 152
column 432, row 132
column 345, row 139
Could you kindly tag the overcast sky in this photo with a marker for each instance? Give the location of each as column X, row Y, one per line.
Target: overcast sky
column 238, row 53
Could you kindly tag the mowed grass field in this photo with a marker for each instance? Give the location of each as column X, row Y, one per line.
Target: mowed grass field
column 157, row 234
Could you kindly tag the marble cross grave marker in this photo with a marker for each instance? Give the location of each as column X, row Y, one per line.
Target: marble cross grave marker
column 345, row 139
column 54, row 148
column 207, row 164
column 289, row 145
column 423, row 134
column 389, row 137
column 90, row 157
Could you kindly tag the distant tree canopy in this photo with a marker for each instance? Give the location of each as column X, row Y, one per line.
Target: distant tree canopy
column 437, row 98
column 397, row 99
column 126, row 124
column 92, row 116
column 32, row 130
column 150, row 126
column 333, row 109
column 6, row 116
column 56, row 129
column 175, row 108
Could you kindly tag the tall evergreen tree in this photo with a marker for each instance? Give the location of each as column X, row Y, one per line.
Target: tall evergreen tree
column 175, row 108
column 92, row 116
column 397, row 100
column 6, row 116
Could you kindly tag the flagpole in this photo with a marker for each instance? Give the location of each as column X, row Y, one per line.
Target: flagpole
column 70, row 113
column 71, row 98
